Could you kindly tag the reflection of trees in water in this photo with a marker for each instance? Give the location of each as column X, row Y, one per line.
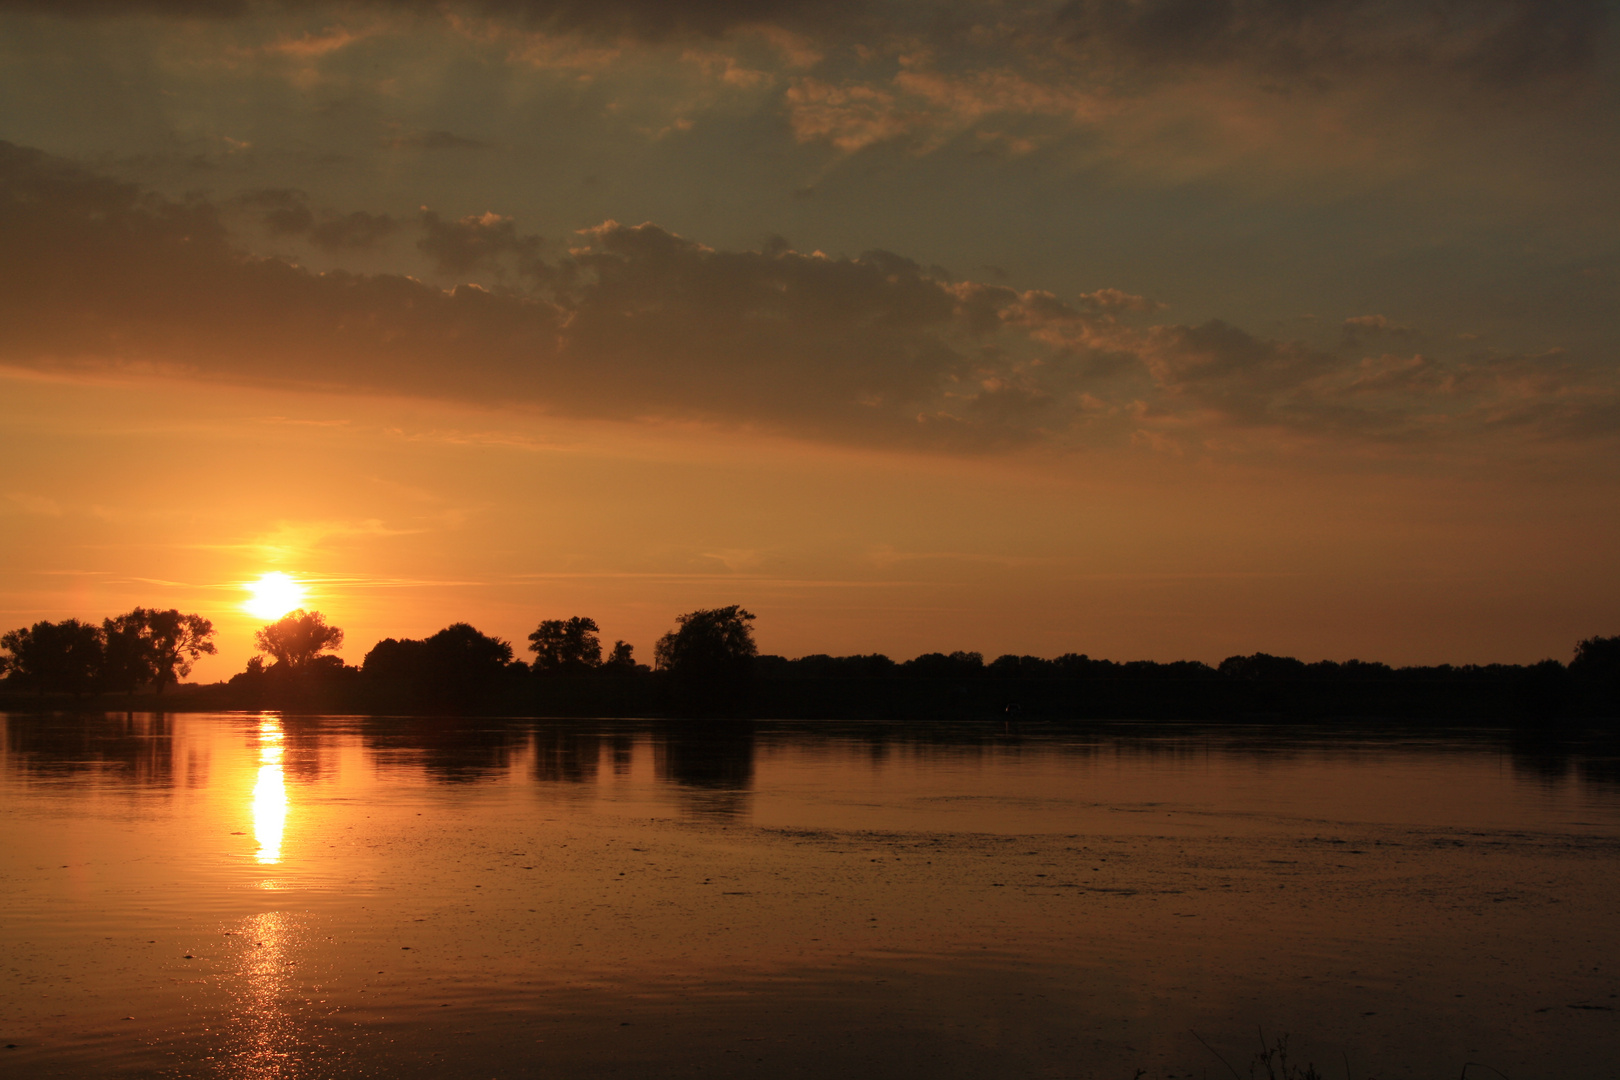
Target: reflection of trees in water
column 306, row 743
column 711, row 766
column 451, row 750
column 1553, row 759
column 1547, row 765
column 1600, row 771
column 136, row 748
column 566, row 755
column 620, row 747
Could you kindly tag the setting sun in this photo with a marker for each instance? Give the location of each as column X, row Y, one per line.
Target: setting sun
column 274, row 595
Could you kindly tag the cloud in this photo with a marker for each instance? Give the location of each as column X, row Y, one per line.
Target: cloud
column 851, row 117
column 286, row 212
column 283, row 211
column 1361, row 329
column 1246, row 381
column 929, row 106
column 432, row 140
column 1504, row 43
column 356, row 229
column 37, row 505
column 640, row 19
column 636, row 322
column 1254, row 90
column 479, row 242
column 309, row 46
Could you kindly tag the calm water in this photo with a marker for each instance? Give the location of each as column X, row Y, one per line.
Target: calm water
column 265, row 897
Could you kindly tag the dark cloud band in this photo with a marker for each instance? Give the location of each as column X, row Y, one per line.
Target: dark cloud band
column 1507, row 42
column 648, row 19
column 637, row 322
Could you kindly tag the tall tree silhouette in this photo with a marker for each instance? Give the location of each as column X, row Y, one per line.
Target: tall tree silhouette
column 566, row 645
column 176, row 641
column 146, row 645
column 297, row 639
column 127, row 661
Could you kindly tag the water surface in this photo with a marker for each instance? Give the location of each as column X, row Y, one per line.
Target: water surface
column 263, row 897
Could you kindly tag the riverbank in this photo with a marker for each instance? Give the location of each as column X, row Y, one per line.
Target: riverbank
column 1537, row 696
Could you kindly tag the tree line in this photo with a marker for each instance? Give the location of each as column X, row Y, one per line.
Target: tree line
column 708, row 643
column 709, row 663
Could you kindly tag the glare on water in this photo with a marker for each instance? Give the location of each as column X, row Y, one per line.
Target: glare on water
column 270, row 792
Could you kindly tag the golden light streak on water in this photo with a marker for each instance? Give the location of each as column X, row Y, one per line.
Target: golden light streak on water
column 270, row 793
column 265, row 1027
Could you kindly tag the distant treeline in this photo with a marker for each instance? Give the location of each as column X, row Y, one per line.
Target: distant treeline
column 709, row 666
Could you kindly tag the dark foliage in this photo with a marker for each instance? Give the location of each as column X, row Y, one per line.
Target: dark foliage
column 708, row 661
column 708, row 667
column 144, row 646
column 296, row 641
column 174, row 641
column 622, row 660
column 567, row 645
column 711, row 643
column 126, row 659
column 61, row 658
column 1595, row 674
column 455, row 667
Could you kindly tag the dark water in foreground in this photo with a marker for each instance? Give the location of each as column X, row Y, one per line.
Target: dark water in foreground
column 259, row 897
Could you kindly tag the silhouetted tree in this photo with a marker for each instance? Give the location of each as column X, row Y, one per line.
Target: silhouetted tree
column 394, row 660
column 297, row 640
column 460, row 649
column 1262, row 667
column 1596, row 656
column 712, row 643
column 1596, row 674
column 127, row 660
column 62, row 657
column 566, row 645
column 172, row 642
column 621, row 660
column 454, row 665
column 939, row 666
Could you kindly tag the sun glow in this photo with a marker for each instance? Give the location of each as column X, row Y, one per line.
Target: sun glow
column 274, row 595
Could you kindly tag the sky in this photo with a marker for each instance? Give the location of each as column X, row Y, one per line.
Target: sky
column 1148, row 329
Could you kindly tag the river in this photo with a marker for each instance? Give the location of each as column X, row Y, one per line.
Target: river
column 265, row 896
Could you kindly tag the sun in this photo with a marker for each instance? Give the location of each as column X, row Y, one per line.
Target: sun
column 274, row 595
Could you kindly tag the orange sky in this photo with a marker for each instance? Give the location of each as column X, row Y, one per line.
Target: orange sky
column 1130, row 338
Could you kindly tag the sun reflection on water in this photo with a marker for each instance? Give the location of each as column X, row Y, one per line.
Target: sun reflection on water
column 270, row 793
column 266, row 1028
